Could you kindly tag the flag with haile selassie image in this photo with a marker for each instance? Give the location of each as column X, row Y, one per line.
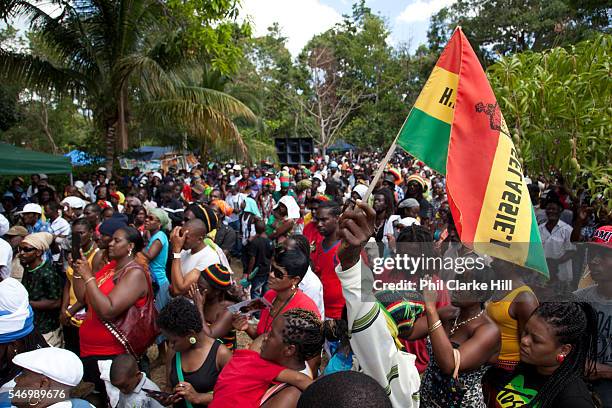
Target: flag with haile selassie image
column 457, row 128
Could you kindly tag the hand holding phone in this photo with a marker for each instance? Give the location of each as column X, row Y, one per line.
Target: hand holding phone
column 164, row 398
column 76, row 246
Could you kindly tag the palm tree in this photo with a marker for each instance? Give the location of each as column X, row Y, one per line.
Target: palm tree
column 113, row 52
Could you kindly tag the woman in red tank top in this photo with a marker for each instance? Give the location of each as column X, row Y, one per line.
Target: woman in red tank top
column 109, row 293
column 287, row 270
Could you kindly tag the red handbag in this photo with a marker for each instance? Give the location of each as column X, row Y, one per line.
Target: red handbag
column 136, row 329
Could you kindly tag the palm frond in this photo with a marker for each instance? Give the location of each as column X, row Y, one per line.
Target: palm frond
column 220, row 101
column 201, row 121
column 259, row 150
column 154, row 80
column 35, row 73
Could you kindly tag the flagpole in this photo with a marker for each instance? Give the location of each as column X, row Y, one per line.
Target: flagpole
column 383, row 163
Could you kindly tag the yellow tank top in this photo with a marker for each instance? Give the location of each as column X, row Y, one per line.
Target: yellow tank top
column 70, row 276
column 510, row 337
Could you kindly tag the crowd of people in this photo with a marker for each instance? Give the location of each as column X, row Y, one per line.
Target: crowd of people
column 251, row 286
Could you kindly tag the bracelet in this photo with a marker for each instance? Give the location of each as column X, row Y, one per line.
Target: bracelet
column 435, row 326
column 89, row 280
column 67, row 312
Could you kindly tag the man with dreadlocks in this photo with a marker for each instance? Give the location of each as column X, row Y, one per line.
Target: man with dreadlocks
column 296, row 336
column 558, row 350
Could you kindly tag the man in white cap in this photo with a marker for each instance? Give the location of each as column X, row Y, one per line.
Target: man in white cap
column 49, row 375
column 31, row 216
column 73, row 207
column 236, row 176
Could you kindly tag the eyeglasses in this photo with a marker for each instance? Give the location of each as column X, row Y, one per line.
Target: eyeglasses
column 26, row 249
column 278, row 274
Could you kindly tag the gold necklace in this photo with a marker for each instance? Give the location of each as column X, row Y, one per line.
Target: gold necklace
column 458, row 325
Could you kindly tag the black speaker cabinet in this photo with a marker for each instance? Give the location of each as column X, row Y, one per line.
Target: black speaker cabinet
column 294, row 151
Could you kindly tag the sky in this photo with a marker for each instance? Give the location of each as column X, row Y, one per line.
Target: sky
column 299, row 20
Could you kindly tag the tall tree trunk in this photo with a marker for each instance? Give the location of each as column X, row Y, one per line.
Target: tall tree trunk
column 122, row 125
column 110, row 148
column 44, row 121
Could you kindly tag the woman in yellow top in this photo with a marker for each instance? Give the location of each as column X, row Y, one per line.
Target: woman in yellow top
column 510, row 310
column 73, row 310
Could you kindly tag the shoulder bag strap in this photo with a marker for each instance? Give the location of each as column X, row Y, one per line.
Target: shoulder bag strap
column 179, row 374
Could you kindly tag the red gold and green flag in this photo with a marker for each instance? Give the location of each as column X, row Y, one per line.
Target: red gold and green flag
column 457, row 128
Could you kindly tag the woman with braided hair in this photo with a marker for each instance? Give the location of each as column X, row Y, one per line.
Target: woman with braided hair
column 197, row 358
column 558, row 348
column 296, row 336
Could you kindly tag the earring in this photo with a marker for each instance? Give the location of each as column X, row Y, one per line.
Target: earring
column 34, row 404
column 293, row 287
column 130, row 254
column 193, row 340
column 560, row 358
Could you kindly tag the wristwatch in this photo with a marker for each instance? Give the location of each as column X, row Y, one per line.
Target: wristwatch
column 176, row 255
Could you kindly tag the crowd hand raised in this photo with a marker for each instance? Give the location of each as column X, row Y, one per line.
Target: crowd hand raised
column 177, row 238
column 240, row 322
column 197, row 295
column 430, row 296
column 356, row 228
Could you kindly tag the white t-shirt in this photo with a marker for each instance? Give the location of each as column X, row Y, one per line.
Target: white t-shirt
column 556, row 244
column 200, row 260
column 6, row 259
column 311, row 285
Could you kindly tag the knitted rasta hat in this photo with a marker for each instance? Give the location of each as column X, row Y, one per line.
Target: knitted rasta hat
column 403, row 307
column 218, row 276
column 206, row 214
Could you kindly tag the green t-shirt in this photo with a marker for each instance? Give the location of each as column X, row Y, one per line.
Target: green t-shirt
column 526, row 383
column 43, row 283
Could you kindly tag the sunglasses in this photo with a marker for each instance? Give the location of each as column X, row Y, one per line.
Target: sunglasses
column 278, row 274
column 26, row 249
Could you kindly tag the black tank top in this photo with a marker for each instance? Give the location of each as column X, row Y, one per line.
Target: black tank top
column 203, row 379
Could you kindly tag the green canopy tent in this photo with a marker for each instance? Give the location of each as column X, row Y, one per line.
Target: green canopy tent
column 17, row 161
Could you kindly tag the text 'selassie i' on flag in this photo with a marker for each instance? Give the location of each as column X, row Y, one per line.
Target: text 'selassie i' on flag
column 457, row 128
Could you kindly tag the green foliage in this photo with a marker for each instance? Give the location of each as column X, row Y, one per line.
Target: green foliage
column 502, row 27
column 121, row 58
column 9, row 108
column 210, row 28
column 41, row 120
column 558, row 107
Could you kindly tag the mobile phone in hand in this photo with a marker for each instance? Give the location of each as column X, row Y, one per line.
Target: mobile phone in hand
column 157, row 394
column 76, row 246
